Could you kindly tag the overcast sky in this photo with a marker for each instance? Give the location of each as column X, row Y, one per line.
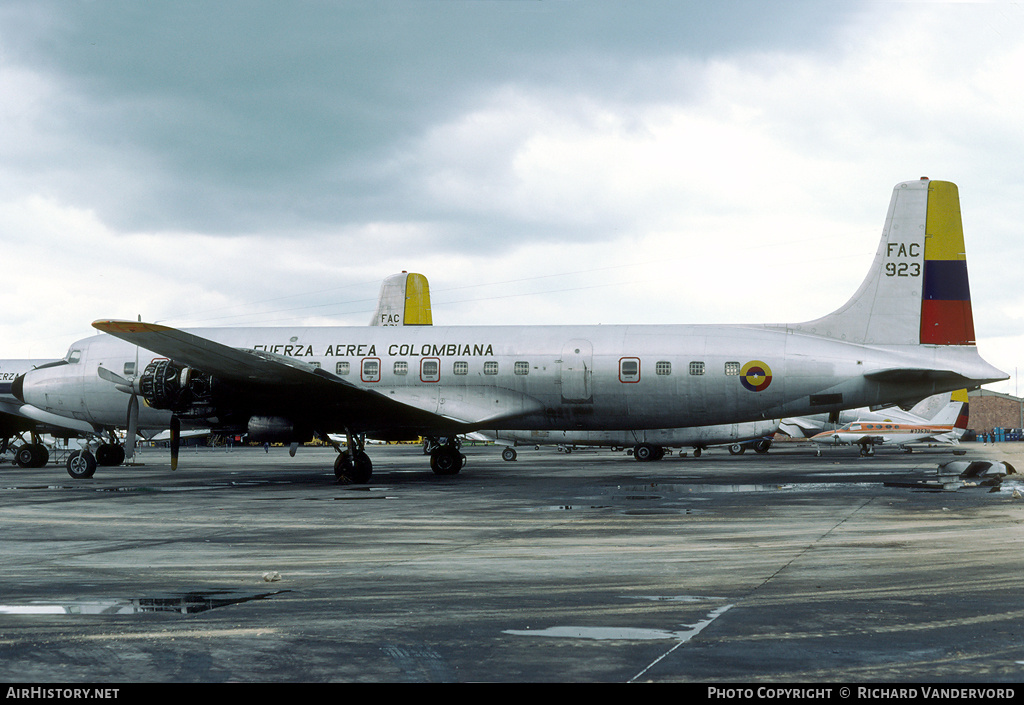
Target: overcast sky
column 248, row 163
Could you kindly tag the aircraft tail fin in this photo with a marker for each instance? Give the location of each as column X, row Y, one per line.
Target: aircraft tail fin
column 404, row 301
column 953, row 412
column 916, row 292
column 962, row 416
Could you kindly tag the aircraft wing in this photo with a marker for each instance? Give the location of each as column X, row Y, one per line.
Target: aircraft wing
column 293, row 383
column 800, row 427
column 225, row 362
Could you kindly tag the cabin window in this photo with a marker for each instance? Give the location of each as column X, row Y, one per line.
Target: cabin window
column 732, row 369
column 342, row 368
column 663, row 368
column 461, row 368
column 521, row 368
column 401, row 367
column 129, row 369
column 629, row 369
column 696, row 368
column 430, row 369
column 371, row 369
column 490, row 368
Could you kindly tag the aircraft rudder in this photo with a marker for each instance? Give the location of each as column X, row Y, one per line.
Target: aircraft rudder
column 946, row 314
column 417, row 301
column 404, row 300
column 963, row 415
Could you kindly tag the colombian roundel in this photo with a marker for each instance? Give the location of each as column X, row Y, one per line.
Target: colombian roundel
column 755, row 376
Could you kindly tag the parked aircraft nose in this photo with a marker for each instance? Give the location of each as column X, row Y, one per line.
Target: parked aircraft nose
column 18, row 388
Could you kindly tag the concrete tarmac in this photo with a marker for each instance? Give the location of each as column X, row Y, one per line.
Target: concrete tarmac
column 246, row 566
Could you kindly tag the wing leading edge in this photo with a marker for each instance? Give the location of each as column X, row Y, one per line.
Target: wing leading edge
column 286, row 382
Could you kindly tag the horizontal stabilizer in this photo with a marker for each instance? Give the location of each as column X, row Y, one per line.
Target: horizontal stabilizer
column 914, row 375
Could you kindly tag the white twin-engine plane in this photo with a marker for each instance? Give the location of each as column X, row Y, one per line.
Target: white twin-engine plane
column 906, row 334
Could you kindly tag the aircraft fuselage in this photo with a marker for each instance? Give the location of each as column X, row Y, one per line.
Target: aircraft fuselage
column 549, row 377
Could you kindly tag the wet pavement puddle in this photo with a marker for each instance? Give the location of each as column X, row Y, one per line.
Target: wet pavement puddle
column 179, row 603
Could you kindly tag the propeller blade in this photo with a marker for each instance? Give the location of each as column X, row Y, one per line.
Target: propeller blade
column 175, row 441
column 111, row 376
column 123, row 384
column 133, row 426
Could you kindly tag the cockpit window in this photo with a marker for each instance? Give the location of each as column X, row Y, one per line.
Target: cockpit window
column 74, row 356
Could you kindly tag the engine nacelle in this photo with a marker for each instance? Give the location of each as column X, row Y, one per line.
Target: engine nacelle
column 165, row 384
column 277, row 429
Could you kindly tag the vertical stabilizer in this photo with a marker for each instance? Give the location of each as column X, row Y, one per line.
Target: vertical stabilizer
column 404, row 301
column 916, row 291
column 963, row 416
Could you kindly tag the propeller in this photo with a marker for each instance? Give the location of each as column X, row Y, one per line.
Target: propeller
column 131, row 388
column 175, row 441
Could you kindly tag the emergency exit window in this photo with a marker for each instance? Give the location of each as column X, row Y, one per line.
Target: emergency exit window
column 371, row 369
column 629, row 369
column 430, row 369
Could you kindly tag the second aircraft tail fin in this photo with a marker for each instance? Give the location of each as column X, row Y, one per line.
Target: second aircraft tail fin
column 404, row 301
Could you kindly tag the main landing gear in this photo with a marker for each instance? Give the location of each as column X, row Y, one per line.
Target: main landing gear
column 353, row 465
column 445, row 456
column 30, row 454
column 760, row 446
column 647, row 452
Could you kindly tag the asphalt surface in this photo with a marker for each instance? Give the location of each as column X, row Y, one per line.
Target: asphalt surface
column 247, row 566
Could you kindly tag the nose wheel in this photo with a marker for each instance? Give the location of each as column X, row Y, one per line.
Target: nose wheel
column 81, row 465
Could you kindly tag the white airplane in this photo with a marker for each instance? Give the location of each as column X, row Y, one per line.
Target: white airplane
column 947, row 426
column 18, row 419
column 404, row 300
column 907, row 333
column 805, row 427
column 650, row 444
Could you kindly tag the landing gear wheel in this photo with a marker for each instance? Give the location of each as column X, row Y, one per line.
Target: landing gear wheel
column 33, row 455
column 644, row 452
column 81, row 465
column 109, row 455
column 696, row 452
column 446, row 461
column 508, row 454
column 762, row 446
column 737, row 449
column 357, row 472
